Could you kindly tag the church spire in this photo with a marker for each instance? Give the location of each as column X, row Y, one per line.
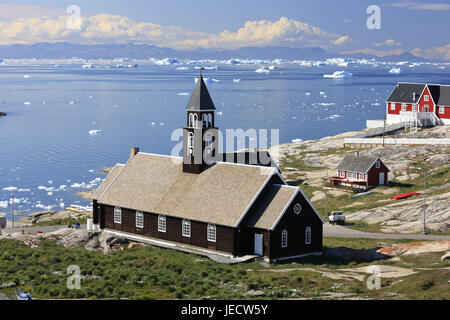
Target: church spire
column 200, row 98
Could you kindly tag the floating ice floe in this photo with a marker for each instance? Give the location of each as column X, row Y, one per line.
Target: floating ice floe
column 87, row 66
column 339, row 75
column 71, row 102
column 263, row 70
column 9, row 189
column 94, row 132
column 395, row 70
column 219, row 113
column 27, row 103
column 207, row 80
column 182, row 68
column 206, row 68
column 333, row 116
column 326, row 104
column 183, row 93
column 165, row 62
column 272, row 68
column 307, row 93
column 236, row 80
column 297, row 140
column 24, row 190
column 27, row 76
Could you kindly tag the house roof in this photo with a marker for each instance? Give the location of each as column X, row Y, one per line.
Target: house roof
column 109, row 178
column 221, row 194
column 444, row 96
column 404, row 93
column 200, row 98
column 357, row 163
column 272, row 206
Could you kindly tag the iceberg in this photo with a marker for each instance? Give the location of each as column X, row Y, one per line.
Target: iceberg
column 9, row 189
column 26, row 76
column 207, row 80
column 395, row 70
column 183, row 93
column 263, row 70
column 93, row 133
column 339, row 75
column 236, row 80
column 297, row 140
column 182, row 68
column 273, row 68
column 165, row 62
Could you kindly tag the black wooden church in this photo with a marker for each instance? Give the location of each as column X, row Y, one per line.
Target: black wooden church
column 228, row 204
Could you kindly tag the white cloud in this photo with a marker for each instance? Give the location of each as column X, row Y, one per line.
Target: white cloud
column 414, row 5
column 106, row 28
column 440, row 53
column 388, row 43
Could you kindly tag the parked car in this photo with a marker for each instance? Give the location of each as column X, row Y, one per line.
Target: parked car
column 336, row 217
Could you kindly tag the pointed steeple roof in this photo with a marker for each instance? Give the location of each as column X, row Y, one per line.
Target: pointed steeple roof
column 200, row 98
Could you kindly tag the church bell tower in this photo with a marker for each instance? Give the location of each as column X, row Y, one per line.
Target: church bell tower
column 200, row 136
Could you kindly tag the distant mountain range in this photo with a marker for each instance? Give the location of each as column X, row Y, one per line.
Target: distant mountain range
column 143, row 51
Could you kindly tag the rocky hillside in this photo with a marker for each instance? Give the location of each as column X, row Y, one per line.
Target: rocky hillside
column 306, row 164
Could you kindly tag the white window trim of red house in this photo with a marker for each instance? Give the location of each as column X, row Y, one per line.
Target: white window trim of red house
column 441, row 109
column 426, row 98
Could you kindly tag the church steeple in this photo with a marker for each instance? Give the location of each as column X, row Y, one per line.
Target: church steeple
column 200, row 134
column 200, row 98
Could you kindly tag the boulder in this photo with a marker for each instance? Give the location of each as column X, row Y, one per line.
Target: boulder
column 445, row 256
column 2, row 114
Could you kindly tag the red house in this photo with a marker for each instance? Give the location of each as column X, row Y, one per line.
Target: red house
column 420, row 103
column 361, row 172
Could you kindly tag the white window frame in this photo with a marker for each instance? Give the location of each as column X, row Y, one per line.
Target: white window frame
column 392, row 106
column 342, row 174
column 426, row 108
column 118, row 215
column 139, row 219
column 297, row 208
column 284, row 239
column 191, row 142
column 162, row 223
column 308, row 235
column 378, row 164
column 186, row 228
column 426, row 98
column 211, row 233
column 414, row 107
column 441, row 110
column 403, row 106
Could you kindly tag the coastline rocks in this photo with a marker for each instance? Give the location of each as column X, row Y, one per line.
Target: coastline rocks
column 2, row 114
column 415, row 248
column 70, row 238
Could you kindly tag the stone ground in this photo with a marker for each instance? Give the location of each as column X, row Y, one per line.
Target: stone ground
column 401, row 218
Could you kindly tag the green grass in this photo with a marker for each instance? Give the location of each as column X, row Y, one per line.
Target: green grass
column 58, row 222
column 152, row 273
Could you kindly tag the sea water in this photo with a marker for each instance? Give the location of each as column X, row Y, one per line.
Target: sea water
column 65, row 123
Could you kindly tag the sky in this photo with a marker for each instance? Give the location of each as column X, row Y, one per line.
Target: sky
column 420, row 27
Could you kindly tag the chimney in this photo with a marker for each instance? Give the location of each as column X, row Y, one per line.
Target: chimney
column 414, row 96
column 133, row 151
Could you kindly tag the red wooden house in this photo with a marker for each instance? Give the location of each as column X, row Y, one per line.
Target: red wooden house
column 423, row 104
column 361, row 172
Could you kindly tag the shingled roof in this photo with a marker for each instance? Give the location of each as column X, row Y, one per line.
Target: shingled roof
column 109, row 178
column 444, row 96
column 200, row 98
column 405, row 92
column 220, row 194
column 272, row 206
column 357, row 163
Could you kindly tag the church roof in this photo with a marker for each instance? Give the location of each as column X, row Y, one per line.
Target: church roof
column 221, row 194
column 200, row 98
column 109, row 179
column 272, row 206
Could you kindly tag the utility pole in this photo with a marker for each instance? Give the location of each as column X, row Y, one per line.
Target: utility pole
column 384, row 127
column 326, row 193
column 424, row 200
column 12, row 209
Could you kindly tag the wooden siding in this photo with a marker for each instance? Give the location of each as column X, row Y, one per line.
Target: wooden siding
column 295, row 225
column 224, row 235
column 373, row 175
